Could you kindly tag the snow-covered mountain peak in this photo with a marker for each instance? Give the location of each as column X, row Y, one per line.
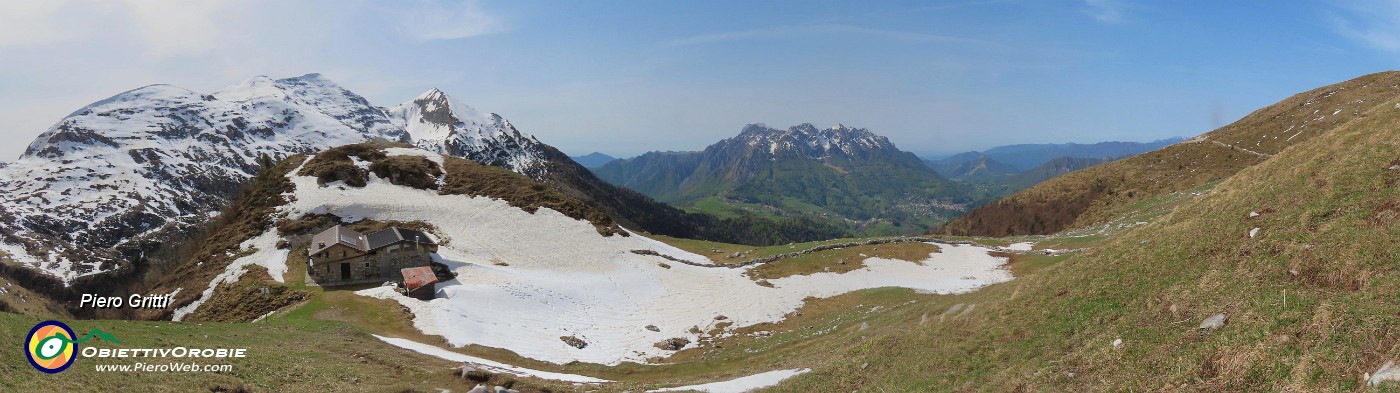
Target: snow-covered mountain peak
column 133, row 163
column 436, row 121
column 433, row 94
column 252, row 88
column 434, row 115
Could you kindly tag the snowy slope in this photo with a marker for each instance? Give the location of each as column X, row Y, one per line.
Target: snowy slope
column 158, row 155
column 561, row 278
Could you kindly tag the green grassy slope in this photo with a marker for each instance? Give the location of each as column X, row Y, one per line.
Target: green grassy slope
column 1099, row 193
column 311, row 356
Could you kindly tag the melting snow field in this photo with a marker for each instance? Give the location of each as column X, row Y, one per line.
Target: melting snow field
column 562, row 279
column 608, row 300
column 526, row 280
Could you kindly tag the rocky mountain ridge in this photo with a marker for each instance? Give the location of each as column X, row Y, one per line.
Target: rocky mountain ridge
column 160, row 157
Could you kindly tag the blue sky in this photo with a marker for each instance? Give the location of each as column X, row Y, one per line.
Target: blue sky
column 624, row 77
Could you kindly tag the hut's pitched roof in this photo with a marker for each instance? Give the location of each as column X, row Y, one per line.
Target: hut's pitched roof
column 364, row 243
column 338, row 235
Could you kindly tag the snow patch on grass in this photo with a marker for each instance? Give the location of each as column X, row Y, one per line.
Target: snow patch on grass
column 489, row 365
column 740, row 385
column 413, row 151
column 266, row 254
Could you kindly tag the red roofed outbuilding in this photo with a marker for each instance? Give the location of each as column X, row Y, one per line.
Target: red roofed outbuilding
column 419, row 282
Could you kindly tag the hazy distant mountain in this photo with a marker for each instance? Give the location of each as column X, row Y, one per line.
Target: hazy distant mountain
column 846, row 175
column 1051, row 169
column 972, row 166
column 1029, row 156
column 658, row 174
column 593, row 160
column 1012, row 159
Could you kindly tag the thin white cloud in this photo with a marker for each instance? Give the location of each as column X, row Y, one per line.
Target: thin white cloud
column 808, row 31
column 1373, row 23
column 428, row 20
column 1107, row 11
column 163, row 28
column 157, row 28
column 181, row 27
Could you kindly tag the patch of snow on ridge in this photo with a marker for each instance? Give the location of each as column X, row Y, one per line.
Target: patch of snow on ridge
column 412, row 151
column 483, row 363
column 266, row 255
column 1024, row 246
column 562, row 278
column 740, row 385
column 957, row 269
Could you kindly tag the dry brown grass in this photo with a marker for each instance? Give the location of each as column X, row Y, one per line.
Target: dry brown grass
column 336, row 164
column 412, row 171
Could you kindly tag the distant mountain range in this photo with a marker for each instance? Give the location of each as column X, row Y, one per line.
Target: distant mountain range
column 1003, row 170
column 1023, row 157
column 842, row 174
column 593, row 160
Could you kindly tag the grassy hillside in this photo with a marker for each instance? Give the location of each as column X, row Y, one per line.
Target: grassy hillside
column 1099, row 193
column 1310, row 297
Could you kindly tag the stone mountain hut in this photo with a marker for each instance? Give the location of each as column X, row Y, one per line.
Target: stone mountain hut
column 341, row 256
